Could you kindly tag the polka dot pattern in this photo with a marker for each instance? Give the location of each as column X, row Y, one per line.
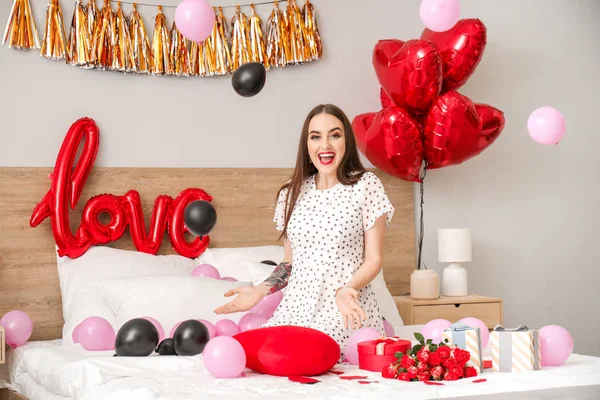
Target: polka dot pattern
column 326, row 234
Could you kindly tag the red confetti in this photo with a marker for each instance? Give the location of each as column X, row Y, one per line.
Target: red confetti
column 303, row 379
column 433, row 383
column 366, row 382
column 487, row 364
column 243, row 375
column 354, row 377
column 480, row 380
column 333, row 371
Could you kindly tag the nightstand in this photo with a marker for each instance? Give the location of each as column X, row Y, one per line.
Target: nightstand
column 418, row 312
column 2, row 345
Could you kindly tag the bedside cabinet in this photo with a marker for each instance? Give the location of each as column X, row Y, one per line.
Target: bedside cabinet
column 419, row 312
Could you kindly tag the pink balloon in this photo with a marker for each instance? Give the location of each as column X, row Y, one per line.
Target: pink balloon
column 174, row 328
column 224, row 357
column 229, row 278
column 434, row 330
column 159, row 328
column 226, row 327
column 546, row 125
column 252, row 321
column 556, row 345
column 389, row 329
column 96, row 334
column 351, row 350
column 212, row 331
column 18, row 327
column 207, row 271
column 483, row 329
column 439, row 15
column 268, row 304
column 75, row 333
column 195, row 19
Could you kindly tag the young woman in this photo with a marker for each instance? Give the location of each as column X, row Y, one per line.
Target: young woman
column 332, row 216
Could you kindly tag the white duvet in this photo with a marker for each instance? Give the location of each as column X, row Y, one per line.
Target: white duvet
column 52, row 370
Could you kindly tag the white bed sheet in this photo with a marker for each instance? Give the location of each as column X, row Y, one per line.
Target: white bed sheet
column 51, row 370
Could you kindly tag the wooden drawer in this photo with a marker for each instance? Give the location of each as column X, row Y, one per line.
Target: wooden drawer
column 489, row 313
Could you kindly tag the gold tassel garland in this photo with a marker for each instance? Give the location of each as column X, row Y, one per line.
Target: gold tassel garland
column 161, row 44
column 258, row 52
column 240, row 41
column 104, row 37
column 122, row 59
column 297, row 34
column 21, row 32
column 54, row 44
column 312, row 32
column 180, row 58
column 218, row 56
column 142, row 52
column 278, row 51
column 110, row 40
column 79, row 46
column 198, row 59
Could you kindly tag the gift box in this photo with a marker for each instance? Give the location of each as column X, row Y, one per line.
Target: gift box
column 466, row 338
column 515, row 350
column 374, row 355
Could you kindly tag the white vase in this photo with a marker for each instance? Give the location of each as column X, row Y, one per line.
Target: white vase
column 424, row 285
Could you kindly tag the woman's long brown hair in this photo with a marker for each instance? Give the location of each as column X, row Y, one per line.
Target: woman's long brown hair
column 349, row 172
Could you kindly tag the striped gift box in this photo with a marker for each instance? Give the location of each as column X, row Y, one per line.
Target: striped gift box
column 466, row 338
column 515, row 350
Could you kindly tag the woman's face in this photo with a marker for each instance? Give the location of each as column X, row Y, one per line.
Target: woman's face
column 326, row 143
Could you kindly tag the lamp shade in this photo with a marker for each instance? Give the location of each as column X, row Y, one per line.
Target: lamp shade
column 454, row 245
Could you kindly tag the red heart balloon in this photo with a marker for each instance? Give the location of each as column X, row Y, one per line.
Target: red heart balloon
column 385, row 99
column 410, row 73
column 456, row 129
column 392, row 141
column 461, row 49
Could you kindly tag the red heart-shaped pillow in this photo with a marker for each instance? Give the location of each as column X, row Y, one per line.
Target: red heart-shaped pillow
column 410, row 73
column 456, row 129
column 289, row 351
column 392, row 140
column 461, row 49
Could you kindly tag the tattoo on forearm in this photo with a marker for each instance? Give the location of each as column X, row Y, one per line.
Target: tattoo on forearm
column 280, row 276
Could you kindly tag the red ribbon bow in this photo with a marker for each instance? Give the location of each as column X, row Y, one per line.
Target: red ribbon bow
column 381, row 341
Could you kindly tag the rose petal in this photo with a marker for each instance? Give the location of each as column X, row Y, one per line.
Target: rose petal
column 352, row 377
column 433, row 383
column 480, row 380
column 303, row 379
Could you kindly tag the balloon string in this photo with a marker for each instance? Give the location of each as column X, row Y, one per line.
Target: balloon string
column 421, row 225
column 163, row 6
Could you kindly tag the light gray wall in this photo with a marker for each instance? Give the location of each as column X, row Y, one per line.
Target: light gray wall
column 533, row 210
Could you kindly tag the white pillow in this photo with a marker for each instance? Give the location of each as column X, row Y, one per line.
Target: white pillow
column 387, row 306
column 231, row 261
column 78, row 278
column 168, row 299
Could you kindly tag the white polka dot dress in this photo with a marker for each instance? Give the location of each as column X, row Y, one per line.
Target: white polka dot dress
column 326, row 234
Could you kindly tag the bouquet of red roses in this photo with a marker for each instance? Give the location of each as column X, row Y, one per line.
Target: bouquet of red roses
column 427, row 361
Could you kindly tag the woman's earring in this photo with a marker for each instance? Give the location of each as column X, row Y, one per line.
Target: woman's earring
column 309, row 160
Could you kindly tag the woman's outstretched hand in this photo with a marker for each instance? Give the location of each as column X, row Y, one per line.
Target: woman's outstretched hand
column 346, row 300
column 247, row 297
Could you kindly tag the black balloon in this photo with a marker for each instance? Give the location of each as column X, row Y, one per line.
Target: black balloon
column 166, row 348
column 136, row 338
column 190, row 338
column 249, row 79
column 269, row 262
column 200, row 217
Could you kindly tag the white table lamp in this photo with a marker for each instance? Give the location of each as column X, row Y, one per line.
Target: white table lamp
column 454, row 247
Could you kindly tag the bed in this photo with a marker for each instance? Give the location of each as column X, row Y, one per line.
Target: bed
column 56, row 292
